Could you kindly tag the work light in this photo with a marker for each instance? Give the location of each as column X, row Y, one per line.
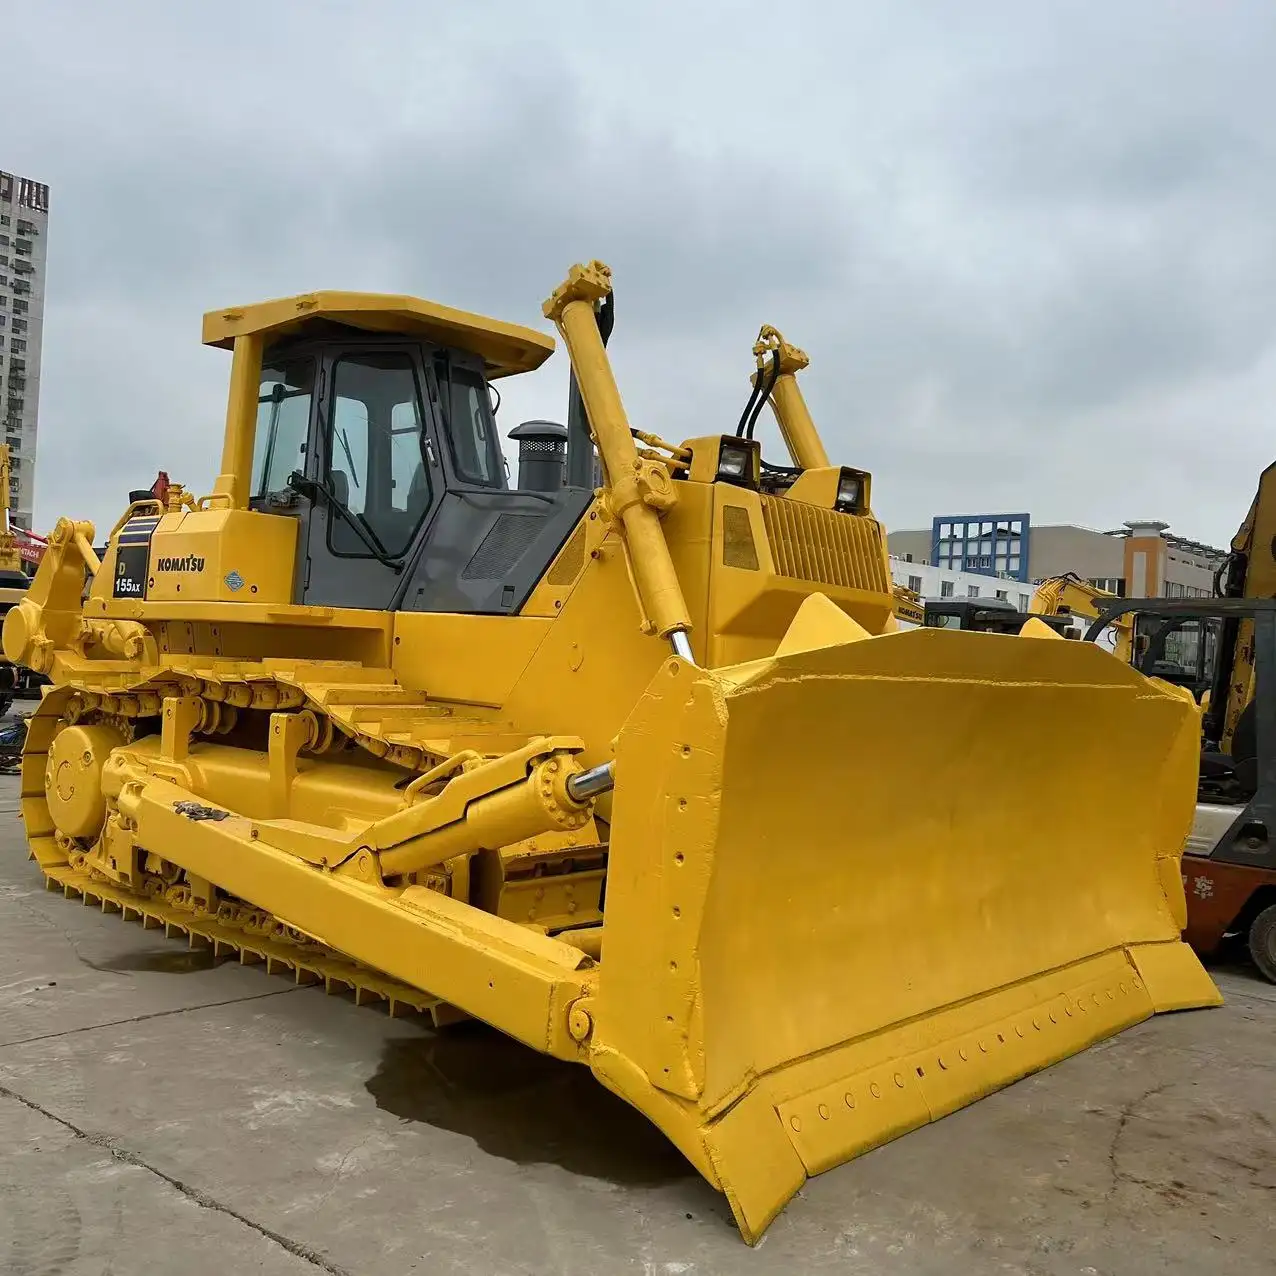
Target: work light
column 850, row 492
column 739, row 461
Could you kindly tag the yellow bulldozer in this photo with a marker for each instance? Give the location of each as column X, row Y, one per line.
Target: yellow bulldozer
column 630, row 772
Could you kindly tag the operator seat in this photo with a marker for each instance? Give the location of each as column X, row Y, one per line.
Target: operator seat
column 1235, row 774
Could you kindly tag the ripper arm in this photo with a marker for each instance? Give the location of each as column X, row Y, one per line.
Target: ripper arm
column 51, row 617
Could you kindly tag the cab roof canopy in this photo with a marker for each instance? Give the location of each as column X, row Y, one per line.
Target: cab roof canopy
column 505, row 348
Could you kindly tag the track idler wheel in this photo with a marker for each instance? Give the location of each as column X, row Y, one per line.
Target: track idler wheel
column 73, row 778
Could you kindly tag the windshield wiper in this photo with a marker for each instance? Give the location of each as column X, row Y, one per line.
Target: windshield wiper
column 386, row 556
column 345, row 447
column 310, row 488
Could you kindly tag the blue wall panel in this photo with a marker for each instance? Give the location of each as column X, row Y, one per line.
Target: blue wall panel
column 990, row 544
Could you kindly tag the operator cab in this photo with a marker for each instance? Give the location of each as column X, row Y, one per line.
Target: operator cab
column 379, row 460
column 376, row 429
column 1177, row 649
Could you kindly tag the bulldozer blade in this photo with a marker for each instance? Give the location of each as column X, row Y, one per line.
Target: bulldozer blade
column 861, row 884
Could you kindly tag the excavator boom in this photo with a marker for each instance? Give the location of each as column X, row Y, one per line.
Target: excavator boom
column 1069, row 594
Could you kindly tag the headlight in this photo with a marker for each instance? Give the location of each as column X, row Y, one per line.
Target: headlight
column 739, row 461
column 850, row 492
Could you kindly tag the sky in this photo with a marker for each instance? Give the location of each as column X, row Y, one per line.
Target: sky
column 1029, row 247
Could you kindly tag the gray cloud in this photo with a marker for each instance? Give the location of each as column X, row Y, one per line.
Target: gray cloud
column 1026, row 246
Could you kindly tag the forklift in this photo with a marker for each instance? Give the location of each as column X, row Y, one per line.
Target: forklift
column 1223, row 650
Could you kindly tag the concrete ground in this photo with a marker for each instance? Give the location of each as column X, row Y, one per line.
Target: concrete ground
column 159, row 1115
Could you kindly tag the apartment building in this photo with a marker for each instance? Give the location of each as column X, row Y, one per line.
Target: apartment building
column 24, row 224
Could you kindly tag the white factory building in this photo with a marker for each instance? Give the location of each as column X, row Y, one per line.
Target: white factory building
column 944, row 582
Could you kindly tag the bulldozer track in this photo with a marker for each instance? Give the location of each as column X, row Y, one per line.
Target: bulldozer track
column 364, row 710
column 314, row 965
column 368, row 706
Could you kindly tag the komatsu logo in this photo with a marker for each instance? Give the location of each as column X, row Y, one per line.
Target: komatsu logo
column 191, row 563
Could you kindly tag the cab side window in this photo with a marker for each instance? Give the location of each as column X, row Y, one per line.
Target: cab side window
column 283, row 419
column 471, row 427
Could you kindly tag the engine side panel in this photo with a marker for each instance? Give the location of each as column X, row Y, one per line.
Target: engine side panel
column 486, row 550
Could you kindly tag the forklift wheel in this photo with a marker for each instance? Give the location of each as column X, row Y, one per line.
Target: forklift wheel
column 1262, row 942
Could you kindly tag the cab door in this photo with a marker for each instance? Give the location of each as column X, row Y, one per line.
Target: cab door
column 373, row 482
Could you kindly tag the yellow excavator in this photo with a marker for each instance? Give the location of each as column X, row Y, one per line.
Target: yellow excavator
column 1249, row 572
column 908, row 605
column 1072, row 595
column 628, row 770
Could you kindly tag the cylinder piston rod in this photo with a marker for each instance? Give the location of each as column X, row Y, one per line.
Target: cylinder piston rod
column 588, row 784
column 602, row 779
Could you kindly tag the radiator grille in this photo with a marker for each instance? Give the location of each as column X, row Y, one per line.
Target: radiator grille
column 825, row 547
